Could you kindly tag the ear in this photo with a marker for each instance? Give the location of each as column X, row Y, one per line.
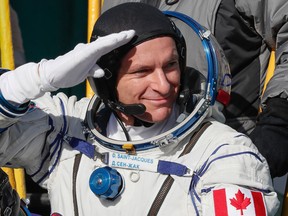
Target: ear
column 192, row 88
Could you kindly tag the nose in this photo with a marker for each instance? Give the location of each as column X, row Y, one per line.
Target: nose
column 161, row 82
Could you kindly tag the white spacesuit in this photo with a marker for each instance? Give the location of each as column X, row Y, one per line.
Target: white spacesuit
column 190, row 164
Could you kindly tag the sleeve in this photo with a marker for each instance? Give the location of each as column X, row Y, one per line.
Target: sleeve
column 36, row 140
column 23, row 134
column 278, row 35
column 10, row 113
column 238, row 200
column 271, row 135
column 270, row 20
column 271, row 132
column 16, row 132
column 233, row 178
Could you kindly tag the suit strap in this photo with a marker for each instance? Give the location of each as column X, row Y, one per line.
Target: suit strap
column 74, row 178
column 167, row 184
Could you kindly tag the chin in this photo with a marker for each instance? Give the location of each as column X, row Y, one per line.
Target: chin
column 156, row 116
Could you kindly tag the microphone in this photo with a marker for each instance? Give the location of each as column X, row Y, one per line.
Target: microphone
column 128, row 109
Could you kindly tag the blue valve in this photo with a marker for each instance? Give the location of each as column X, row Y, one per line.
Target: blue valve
column 106, row 183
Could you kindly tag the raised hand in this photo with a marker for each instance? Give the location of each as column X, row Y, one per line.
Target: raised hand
column 33, row 80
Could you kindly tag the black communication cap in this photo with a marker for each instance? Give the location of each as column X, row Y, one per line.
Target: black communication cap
column 148, row 22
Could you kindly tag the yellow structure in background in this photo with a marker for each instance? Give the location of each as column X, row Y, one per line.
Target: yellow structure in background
column 94, row 11
column 270, row 69
column 16, row 176
column 285, row 201
column 7, row 59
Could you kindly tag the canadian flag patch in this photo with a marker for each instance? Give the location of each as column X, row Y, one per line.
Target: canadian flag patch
column 238, row 202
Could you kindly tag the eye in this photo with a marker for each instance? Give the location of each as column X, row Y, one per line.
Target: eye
column 172, row 65
column 139, row 73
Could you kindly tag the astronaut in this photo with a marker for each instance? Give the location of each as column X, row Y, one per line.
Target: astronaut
column 248, row 31
column 150, row 141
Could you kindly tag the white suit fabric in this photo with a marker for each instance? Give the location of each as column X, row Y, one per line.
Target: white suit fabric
column 221, row 159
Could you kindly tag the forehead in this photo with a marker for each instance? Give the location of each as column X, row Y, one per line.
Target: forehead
column 159, row 48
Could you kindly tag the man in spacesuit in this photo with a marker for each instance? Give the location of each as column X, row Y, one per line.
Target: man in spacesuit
column 248, row 31
column 149, row 142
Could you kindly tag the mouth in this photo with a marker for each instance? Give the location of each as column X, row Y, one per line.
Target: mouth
column 163, row 101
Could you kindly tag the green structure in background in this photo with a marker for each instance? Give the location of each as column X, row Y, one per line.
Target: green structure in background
column 52, row 27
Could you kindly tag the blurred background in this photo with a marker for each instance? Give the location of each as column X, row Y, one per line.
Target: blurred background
column 51, row 28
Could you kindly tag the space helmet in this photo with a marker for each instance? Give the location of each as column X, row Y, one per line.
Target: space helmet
column 207, row 81
column 149, row 23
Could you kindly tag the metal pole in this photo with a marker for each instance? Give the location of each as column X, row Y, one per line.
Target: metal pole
column 94, row 11
column 6, row 46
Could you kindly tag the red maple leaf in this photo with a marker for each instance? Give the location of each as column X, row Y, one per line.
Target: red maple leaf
column 240, row 203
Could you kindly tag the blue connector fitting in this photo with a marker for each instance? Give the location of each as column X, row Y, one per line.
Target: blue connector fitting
column 106, row 183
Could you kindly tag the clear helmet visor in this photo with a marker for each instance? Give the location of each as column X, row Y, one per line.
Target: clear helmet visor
column 205, row 56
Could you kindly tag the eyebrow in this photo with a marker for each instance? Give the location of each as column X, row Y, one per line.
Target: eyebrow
column 174, row 55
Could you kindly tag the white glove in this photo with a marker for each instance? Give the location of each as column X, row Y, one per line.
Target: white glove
column 32, row 80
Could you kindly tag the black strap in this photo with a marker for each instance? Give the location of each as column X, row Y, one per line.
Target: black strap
column 74, row 178
column 9, row 199
column 167, row 184
column 195, row 138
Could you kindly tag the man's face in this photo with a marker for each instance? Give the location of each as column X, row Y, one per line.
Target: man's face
column 150, row 74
